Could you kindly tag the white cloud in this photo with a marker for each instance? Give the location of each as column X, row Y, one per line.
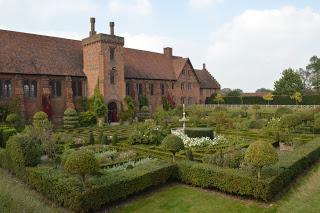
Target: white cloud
column 147, row 42
column 251, row 51
column 139, row 7
column 203, row 3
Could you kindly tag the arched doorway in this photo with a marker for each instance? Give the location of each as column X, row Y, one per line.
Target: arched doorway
column 112, row 112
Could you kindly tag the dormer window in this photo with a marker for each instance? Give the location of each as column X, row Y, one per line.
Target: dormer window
column 112, row 51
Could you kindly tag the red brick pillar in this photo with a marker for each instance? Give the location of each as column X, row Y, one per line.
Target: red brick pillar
column 69, row 93
column 18, row 92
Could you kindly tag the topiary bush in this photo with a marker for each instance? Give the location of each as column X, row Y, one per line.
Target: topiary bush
column 189, row 155
column 5, row 133
column 115, row 139
column 22, row 151
column 87, row 119
column 257, row 124
column 39, row 118
column 260, row 154
column 70, row 118
column 199, row 132
column 91, row 138
column 82, row 163
column 13, row 119
column 282, row 111
column 172, row 144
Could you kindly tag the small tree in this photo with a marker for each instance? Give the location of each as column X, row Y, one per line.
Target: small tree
column 70, row 118
column 99, row 107
column 219, row 98
column 82, row 163
column 13, row 119
column 268, row 97
column 256, row 108
column 260, row 154
column 297, row 97
column 172, row 144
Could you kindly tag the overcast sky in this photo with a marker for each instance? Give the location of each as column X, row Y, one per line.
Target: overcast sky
column 245, row 43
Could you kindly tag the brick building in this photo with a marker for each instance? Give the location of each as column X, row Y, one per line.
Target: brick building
column 48, row 73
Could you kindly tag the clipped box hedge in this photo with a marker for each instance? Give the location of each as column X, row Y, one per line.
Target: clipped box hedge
column 199, row 132
column 67, row 190
column 240, row 182
column 5, row 133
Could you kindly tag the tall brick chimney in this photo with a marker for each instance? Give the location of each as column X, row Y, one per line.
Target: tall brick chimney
column 111, row 24
column 167, row 51
column 204, row 66
column 93, row 22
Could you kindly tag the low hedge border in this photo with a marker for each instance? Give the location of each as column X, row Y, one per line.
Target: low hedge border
column 243, row 183
column 67, row 190
column 199, row 132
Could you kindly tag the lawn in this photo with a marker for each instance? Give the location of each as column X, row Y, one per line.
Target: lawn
column 17, row 197
column 304, row 196
column 182, row 198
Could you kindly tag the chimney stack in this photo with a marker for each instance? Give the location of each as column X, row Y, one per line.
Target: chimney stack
column 93, row 22
column 204, row 66
column 167, row 51
column 111, row 24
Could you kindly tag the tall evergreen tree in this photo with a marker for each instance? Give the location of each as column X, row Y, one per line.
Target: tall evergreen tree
column 289, row 83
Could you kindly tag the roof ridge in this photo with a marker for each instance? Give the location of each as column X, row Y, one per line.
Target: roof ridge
column 39, row 35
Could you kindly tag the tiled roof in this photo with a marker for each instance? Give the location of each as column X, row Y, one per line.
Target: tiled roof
column 140, row 64
column 207, row 81
column 23, row 53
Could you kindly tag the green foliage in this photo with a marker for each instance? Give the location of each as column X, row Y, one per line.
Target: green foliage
column 199, row 132
column 229, row 158
column 3, row 159
column 67, row 190
column 81, row 162
column 70, row 118
column 87, row 119
column 257, row 124
column 91, row 139
column 289, row 83
column 189, row 155
column 22, row 151
column 105, row 139
column 147, row 133
column 39, row 118
column 297, row 97
column 5, row 133
column 13, row 119
column 99, row 107
column 54, row 147
column 260, row 154
column 282, row 111
column 115, row 139
column 172, row 144
column 143, row 101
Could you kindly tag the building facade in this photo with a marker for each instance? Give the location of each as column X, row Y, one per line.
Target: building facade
column 48, row 73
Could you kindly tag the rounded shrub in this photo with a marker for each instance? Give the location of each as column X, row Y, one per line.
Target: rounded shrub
column 87, row 119
column 23, row 151
column 12, row 118
column 282, row 111
column 260, row 154
column 172, row 144
column 39, row 118
column 257, row 124
column 82, row 163
column 70, row 118
column 189, row 155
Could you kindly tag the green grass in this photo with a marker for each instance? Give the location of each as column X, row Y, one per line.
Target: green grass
column 303, row 196
column 184, row 199
column 17, row 197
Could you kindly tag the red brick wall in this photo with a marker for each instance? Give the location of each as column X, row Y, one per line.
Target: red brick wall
column 205, row 93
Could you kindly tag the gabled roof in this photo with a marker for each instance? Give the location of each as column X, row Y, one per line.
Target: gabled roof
column 23, row 53
column 206, row 80
column 140, row 64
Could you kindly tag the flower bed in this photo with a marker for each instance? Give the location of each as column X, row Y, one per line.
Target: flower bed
column 198, row 142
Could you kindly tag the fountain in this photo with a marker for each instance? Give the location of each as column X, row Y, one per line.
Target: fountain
column 183, row 119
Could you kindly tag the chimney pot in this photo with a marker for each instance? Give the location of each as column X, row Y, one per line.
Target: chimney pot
column 167, row 51
column 204, row 66
column 93, row 22
column 111, row 24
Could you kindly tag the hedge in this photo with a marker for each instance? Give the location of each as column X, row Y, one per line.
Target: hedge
column 240, row 182
column 199, row 132
column 67, row 190
column 3, row 159
column 5, row 133
column 277, row 100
